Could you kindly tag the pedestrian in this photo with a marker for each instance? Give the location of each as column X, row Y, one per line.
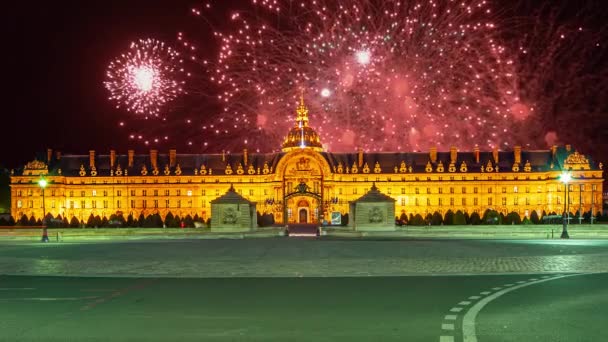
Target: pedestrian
column 45, row 235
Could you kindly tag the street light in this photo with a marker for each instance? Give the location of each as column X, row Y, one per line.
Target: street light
column 565, row 178
column 43, row 183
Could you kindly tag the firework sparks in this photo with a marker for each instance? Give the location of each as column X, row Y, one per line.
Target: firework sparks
column 391, row 75
column 145, row 78
column 393, row 68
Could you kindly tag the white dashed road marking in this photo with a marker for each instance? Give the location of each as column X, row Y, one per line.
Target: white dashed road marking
column 468, row 322
column 447, row 326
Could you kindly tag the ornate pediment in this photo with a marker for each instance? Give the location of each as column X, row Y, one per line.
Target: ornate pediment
column 35, row 167
column 576, row 161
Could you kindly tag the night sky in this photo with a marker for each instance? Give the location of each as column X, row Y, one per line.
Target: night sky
column 56, row 54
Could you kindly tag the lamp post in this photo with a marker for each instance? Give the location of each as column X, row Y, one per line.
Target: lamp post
column 565, row 178
column 42, row 183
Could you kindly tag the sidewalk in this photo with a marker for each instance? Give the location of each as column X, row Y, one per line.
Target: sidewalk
column 599, row 231
column 92, row 234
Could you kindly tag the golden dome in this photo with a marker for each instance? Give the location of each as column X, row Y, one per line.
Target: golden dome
column 302, row 135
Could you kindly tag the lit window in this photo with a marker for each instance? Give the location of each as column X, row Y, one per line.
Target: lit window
column 515, row 189
column 93, row 193
column 19, row 204
column 189, row 192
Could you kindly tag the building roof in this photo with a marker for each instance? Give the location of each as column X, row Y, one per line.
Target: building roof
column 265, row 163
column 231, row 197
column 374, row 196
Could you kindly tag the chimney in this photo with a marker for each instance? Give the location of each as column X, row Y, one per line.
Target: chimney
column 245, row 157
column 49, row 155
column 360, row 157
column 495, row 154
column 476, row 153
column 223, row 155
column 568, row 147
column 58, row 155
column 453, row 154
column 553, row 151
column 130, row 153
column 433, row 154
column 112, row 158
column 517, row 151
column 92, row 159
column 154, row 159
column 172, row 157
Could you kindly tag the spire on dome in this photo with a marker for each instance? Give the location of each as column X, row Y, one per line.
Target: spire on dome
column 302, row 111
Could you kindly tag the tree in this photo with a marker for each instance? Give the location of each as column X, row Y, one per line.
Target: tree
column 32, row 221
column 3, row 222
column 491, row 217
column 188, row 221
column 11, row 221
column 91, row 221
column 512, row 218
column 141, row 220
column 105, row 222
column 403, row 218
column 436, row 220
column 97, row 221
column 448, row 219
column 459, row 219
column 49, row 220
column 475, row 219
column 130, row 221
column 467, row 218
column 534, row 217
column 428, row 218
column 418, row 220
column 172, row 221
column 344, row 220
column 23, row 221
column 74, row 223
column 65, row 223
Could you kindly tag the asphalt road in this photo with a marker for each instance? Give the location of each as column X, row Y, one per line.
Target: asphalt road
column 572, row 308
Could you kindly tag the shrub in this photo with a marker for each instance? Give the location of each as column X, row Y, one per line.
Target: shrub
column 534, row 217
column 475, row 219
column 459, row 218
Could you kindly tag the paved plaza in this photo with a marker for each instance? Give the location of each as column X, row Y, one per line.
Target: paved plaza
column 303, row 289
column 302, row 257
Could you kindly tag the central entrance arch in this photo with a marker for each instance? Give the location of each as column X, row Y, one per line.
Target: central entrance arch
column 302, row 205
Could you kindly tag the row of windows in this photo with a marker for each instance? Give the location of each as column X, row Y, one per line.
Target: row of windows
column 178, row 192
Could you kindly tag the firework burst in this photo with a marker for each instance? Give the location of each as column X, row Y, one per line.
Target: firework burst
column 145, row 78
column 382, row 75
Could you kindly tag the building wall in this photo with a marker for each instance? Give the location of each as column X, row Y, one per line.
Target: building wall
column 414, row 193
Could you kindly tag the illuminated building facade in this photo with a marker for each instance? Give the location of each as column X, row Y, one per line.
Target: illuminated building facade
column 304, row 183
